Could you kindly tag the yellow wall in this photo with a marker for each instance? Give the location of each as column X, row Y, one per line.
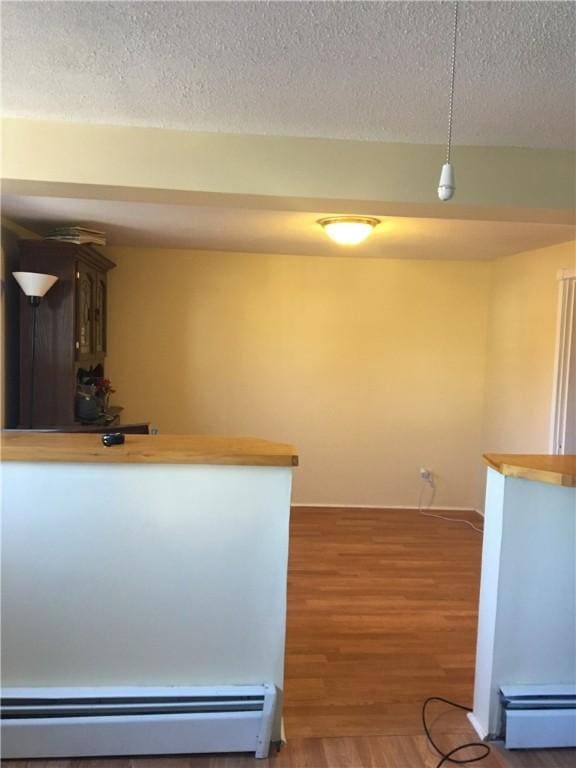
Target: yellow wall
column 521, row 349
column 371, row 368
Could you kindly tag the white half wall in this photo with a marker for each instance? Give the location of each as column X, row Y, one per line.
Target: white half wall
column 117, row 574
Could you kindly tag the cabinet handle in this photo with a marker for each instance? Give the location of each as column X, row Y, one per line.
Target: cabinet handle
column 77, row 275
column 77, row 345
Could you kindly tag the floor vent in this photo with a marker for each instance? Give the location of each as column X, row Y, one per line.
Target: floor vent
column 86, row 722
column 539, row 716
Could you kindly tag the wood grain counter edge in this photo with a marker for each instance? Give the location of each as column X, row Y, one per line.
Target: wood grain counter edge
column 147, row 449
column 543, row 468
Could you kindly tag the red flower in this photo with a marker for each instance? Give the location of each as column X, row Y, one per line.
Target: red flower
column 103, row 386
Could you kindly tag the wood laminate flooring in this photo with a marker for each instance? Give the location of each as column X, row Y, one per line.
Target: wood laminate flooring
column 382, row 610
column 382, row 613
column 348, row 752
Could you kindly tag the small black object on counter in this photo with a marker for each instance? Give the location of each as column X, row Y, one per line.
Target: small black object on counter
column 113, row 438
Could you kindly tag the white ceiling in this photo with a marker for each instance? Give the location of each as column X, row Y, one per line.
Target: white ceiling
column 269, row 231
column 354, row 70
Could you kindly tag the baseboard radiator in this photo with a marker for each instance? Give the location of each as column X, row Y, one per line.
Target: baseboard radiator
column 539, row 716
column 86, row 722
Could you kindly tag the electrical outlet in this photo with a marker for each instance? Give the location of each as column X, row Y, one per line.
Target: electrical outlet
column 426, row 474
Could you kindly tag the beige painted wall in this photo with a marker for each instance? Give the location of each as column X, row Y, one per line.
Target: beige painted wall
column 371, row 368
column 523, row 315
column 94, row 156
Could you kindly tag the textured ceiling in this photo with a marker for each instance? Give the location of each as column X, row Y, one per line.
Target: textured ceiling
column 258, row 231
column 356, row 70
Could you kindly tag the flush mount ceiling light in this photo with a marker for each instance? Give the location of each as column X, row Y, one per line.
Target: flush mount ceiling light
column 348, row 230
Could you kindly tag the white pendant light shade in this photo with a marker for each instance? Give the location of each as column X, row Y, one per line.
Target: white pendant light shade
column 446, row 185
column 349, row 230
column 35, row 283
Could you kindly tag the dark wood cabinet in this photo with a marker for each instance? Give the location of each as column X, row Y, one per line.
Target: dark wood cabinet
column 100, row 314
column 90, row 312
column 85, row 289
column 70, row 332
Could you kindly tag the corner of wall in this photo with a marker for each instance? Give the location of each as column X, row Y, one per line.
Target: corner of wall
column 520, row 348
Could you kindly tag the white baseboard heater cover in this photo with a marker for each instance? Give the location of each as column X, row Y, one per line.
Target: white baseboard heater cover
column 539, row 716
column 89, row 722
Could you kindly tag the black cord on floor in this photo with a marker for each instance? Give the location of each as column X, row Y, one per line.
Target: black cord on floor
column 447, row 757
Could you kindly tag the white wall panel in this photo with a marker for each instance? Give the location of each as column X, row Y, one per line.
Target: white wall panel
column 143, row 574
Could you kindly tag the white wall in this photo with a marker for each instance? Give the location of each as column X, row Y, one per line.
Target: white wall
column 126, row 574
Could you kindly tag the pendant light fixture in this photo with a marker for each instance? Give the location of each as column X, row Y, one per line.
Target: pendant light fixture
column 447, row 185
column 348, row 230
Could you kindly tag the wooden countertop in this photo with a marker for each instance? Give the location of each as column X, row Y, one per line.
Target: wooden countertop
column 544, row 468
column 147, row 449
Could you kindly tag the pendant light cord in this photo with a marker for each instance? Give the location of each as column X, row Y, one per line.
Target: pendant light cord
column 453, row 76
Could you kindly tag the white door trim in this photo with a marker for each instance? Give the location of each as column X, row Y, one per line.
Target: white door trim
column 565, row 343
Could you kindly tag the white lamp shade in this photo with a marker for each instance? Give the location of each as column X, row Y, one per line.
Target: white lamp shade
column 348, row 230
column 446, row 185
column 35, row 283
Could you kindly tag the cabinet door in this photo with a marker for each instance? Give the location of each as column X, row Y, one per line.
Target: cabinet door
column 100, row 314
column 85, row 293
